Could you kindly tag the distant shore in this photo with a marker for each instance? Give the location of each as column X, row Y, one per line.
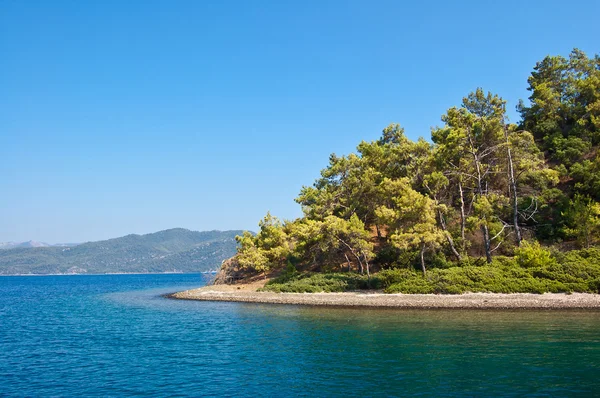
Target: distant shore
column 374, row 299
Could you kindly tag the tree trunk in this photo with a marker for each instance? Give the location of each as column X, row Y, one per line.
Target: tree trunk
column 586, row 234
column 368, row 272
column 422, row 254
column 348, row 261
column 354, row 254
column 448, row 237
column 462, row 215
column 513, row 189
column 360, row 264
column 487, row 243
column 484, row 228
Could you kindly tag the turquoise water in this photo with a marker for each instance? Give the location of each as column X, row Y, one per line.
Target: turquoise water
column 114, row 335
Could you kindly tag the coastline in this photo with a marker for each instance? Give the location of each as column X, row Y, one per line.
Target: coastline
column 374, row 299
column 116, row 273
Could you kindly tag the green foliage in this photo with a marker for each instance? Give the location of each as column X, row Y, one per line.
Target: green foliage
column 584, row 218
column 532, row 254
column 416, row 285
column 267, row 249
column 565, row 104
column 586, row 177
column 289, row 271
column 318, row 283
column 411, row 216
column 491, row 279
column 576, row 271
column 397, row 275
column 584, row 264
column 483, row 188
column 564, row 117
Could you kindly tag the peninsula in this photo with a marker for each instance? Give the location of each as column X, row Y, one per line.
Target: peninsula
column 483, row 208
column 248, row 293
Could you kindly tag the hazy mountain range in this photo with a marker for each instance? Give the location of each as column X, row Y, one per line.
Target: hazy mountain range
column 33, row 243
column 172, row 250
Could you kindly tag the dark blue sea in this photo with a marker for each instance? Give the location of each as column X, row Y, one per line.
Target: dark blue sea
column 115, row 335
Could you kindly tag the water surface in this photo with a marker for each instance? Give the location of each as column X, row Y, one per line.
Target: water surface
column 114, row 335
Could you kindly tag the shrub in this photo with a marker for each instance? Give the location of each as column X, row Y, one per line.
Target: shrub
column 474, row 261
column 319, row 282
column 438, row 260
column 387, row 256
column 582, row 263
column 534, row 269
column 594, row 285
column 503, row 261
column 406, row 259
column 397, row 275
column 417, row 285
column 531, row 254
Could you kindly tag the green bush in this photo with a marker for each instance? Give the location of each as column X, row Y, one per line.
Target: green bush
column 406, row 259
column 440, row 261
column 594, row 285
column 397, row 275
column 417, row 285
column 309, row 282
column 474, row 261
column 532, row 254
column 534, row 269
column 503, row 261
column 581, row 263
column 388, row 256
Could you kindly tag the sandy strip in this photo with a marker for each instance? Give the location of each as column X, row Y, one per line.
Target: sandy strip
column 248, row 294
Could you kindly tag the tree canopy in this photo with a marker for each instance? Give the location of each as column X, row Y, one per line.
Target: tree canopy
column 481, row 187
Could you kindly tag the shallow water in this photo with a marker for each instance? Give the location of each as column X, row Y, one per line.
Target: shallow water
column 114, row 335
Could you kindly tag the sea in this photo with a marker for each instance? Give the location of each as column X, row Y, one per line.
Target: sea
column 118, row 336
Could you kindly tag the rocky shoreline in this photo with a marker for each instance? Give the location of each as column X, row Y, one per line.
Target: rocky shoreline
column 374, row 299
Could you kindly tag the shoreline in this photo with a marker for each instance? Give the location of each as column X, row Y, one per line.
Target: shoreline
column 377, row 299
column 117, row 273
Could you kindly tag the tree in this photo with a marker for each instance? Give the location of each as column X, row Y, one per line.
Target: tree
column 472, row 141
column 351, row 235
column 267, row 249
column 449, row 157
column 528, row 176
column 436, row 183
column 481, row 182
column 564, row 110
column 320, row 241
column 411, row 217
column 586, row 177
column 584, row 215
column 563, row 115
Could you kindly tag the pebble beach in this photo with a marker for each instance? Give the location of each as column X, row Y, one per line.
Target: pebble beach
column 375, row 299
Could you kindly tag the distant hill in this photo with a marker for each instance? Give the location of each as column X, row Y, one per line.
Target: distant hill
column 172, row 250
column 31, row 243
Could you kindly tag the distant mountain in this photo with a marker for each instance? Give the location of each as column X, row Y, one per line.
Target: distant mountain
column 32, row 243
column 172, row 250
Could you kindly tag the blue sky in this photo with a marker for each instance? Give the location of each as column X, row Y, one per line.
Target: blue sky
column 122, row 117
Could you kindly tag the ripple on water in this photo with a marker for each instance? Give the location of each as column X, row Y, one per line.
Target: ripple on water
column 115, row 336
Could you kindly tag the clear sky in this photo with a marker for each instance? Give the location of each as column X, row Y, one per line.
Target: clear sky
column 122, row 117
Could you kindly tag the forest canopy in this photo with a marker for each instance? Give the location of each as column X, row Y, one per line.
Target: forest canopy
column 481, row 188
